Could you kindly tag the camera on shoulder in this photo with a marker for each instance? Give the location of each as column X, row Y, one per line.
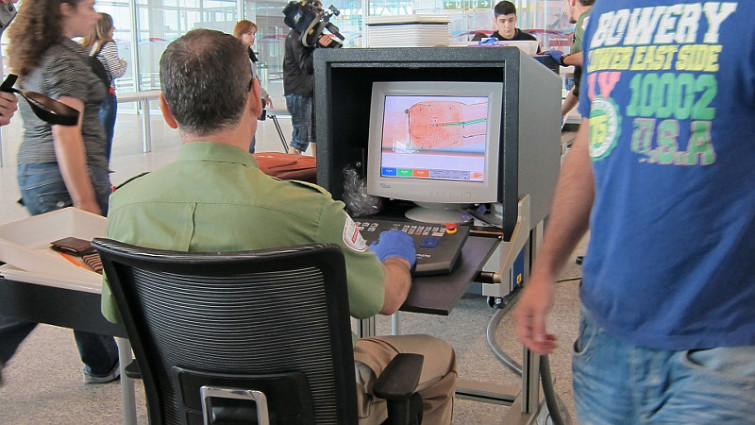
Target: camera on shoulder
column 309, row 19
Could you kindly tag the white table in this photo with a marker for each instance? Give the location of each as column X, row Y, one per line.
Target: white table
column 142, row 97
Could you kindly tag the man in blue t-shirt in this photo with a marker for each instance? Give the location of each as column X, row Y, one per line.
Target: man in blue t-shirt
column 662, row 173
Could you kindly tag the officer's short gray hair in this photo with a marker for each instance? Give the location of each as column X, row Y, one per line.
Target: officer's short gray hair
column 205, row 77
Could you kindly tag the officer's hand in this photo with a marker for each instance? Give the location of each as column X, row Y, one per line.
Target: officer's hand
column 557, row 56
column 395, row 243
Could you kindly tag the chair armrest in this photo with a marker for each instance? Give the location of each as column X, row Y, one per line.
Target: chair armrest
column 400, row 378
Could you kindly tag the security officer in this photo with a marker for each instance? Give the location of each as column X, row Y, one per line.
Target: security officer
column 214, row 198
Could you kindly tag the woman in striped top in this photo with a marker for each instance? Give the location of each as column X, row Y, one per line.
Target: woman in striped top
column 101, row 44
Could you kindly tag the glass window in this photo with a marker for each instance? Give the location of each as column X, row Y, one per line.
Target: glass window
column 158, row 22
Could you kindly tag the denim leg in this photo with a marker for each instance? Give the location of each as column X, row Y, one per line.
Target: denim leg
column 12, row 334
column 713, row 386
column 107, row 114
column 43, row 190
column 300, row 108
column 603, row 392
column 98, row 352
column 619, row 383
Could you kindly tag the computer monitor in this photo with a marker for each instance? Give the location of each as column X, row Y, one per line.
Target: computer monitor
column 435, row 143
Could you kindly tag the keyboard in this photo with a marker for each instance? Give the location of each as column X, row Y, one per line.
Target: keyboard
column 438, row 250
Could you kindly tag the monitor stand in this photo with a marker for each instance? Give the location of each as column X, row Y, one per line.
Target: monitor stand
column 427, row 212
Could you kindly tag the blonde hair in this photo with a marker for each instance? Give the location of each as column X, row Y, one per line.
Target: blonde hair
column 101, row 32
column 243, row 27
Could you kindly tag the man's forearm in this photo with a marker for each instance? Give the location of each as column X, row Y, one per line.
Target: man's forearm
column 569, row 103
column 572, row 60
column 570, row 212
column 398, row 281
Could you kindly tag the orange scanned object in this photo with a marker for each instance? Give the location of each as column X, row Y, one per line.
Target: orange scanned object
column 445, row 124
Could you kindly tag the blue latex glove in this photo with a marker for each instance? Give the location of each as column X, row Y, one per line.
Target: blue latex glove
column 557, row 56
column 395, row 243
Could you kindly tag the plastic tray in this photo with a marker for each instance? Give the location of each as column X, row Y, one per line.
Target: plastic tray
column 25, row 247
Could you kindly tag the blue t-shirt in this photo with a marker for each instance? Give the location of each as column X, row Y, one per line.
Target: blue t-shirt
column 670, row 94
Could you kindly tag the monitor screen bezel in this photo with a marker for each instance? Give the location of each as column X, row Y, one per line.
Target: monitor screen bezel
column 436, row 191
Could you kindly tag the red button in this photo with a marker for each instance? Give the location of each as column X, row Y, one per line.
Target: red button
column 451, row 228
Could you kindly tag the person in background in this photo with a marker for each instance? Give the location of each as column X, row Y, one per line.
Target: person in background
column 60, row 166
column 246, row 31
column 578, row 12
column 215, row 198
column 298, row 87
column 661, row 172
column 101, row 45
column 505, row 24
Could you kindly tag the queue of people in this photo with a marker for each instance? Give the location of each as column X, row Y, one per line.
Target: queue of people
column 649, row 175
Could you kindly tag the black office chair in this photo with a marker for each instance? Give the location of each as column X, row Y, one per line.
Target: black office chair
column 247, row 337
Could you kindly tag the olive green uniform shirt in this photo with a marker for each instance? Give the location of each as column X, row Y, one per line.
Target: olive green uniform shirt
column 215, row 198
column 579, row 31
column 576, row 47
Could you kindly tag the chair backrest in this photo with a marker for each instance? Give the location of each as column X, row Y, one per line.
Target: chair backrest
column 275, row 321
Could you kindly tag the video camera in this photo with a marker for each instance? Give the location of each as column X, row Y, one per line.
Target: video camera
column 310, row 21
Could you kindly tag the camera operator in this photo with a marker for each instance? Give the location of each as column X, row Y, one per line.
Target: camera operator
column 298, row 86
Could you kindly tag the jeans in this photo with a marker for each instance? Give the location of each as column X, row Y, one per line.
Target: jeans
column 302, row 119
column 43, row 190
column 619, row 383
column 107, row 113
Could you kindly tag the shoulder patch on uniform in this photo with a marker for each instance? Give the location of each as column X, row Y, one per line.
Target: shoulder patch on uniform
column 351, row 236
column 130, row 180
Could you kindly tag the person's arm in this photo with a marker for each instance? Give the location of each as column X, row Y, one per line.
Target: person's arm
column 303, row 55
column 398, row 281
column 569, row 103
column 114, row 64
column 71, row 156
column 8, row 106
column 568, row 222
column 574, row 59
column 266, row 97
column 396, row 250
